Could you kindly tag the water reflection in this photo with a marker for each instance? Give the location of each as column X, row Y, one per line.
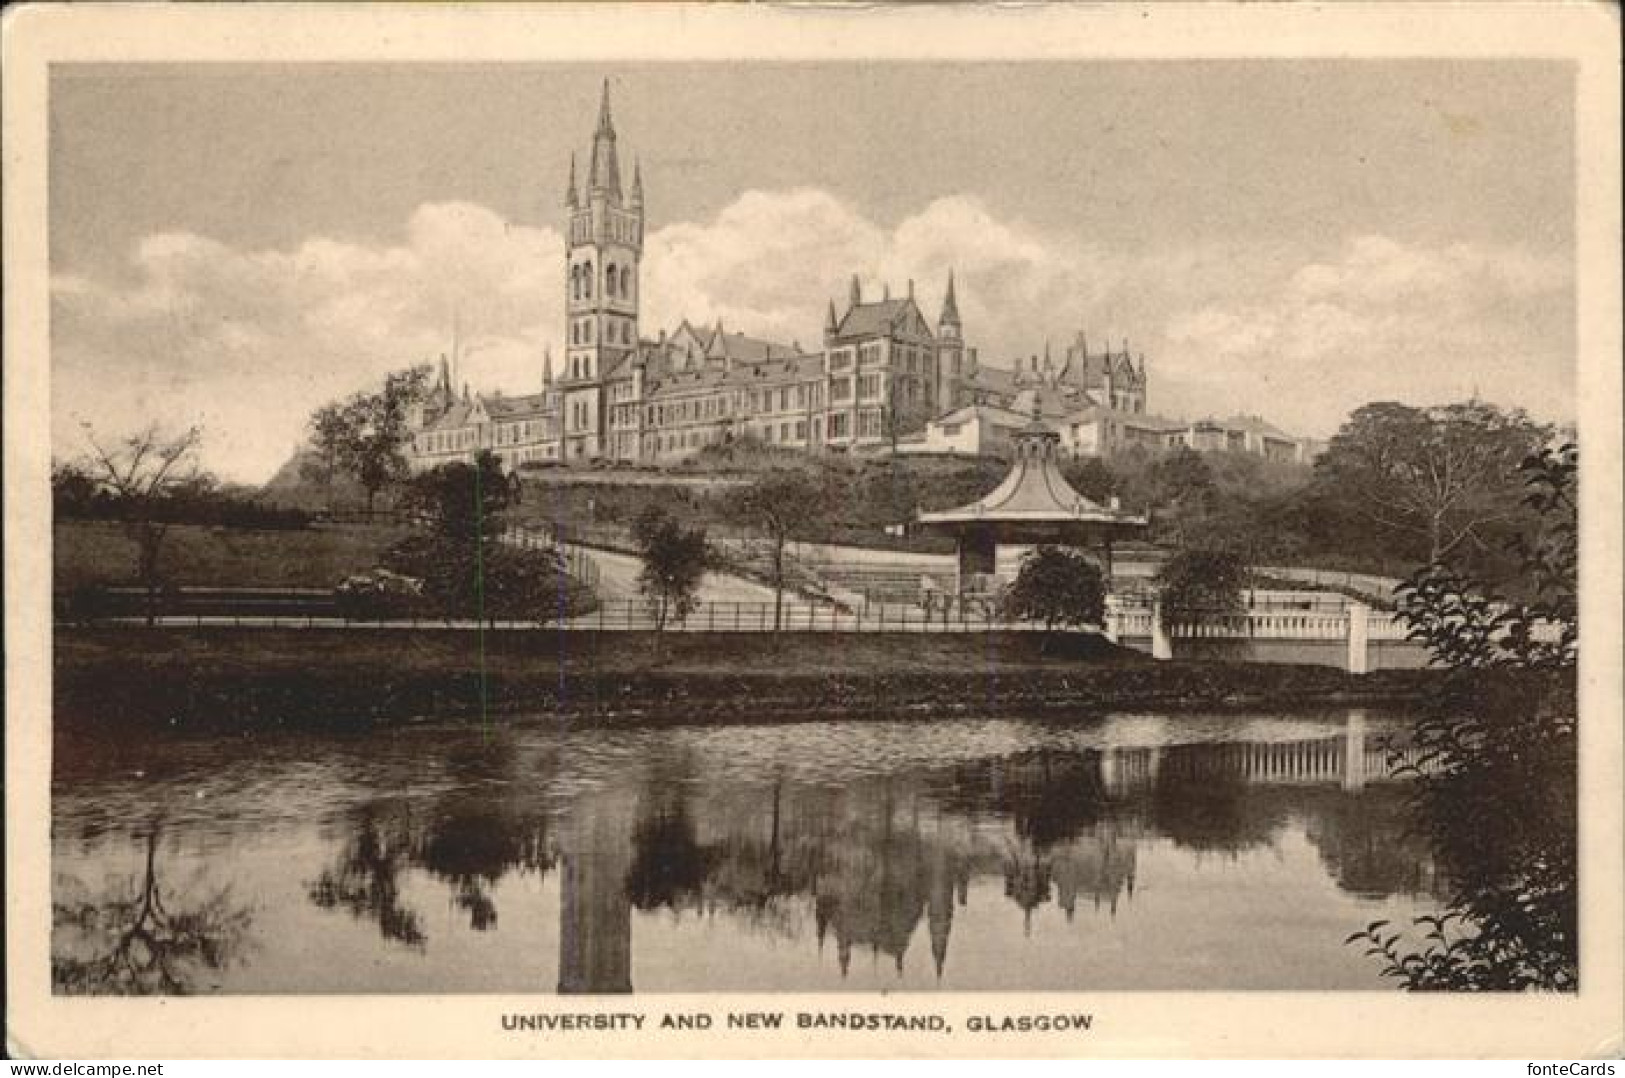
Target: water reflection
column 138, row 935
column 749, row 856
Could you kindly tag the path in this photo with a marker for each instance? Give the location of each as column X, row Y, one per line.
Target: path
column 618, row 579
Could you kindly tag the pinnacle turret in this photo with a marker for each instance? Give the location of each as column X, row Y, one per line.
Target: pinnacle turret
column 570, row 199
column 950, row 308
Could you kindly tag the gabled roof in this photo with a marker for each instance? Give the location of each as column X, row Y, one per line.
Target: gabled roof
column 991, row 379
column 740, row 348
column 991, row 412
column 1256, row 425
column 787, row 370
column 516, row 407
column 875, row 319
column 458, row 415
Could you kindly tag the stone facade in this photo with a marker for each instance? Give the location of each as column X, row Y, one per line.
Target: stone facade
column 881, row 372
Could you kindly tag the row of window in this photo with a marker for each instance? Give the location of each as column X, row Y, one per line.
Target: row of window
column 616, row 331
column 617, row 281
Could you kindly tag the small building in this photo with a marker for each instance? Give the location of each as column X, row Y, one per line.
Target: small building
column 1034, row 506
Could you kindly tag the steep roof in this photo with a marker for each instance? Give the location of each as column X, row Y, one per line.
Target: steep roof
column 874, row 319
column 739, row 347
column 991, row 379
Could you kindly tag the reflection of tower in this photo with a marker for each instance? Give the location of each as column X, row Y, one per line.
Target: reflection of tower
column 1354, row 750
column 595, row 913
column 939, row 902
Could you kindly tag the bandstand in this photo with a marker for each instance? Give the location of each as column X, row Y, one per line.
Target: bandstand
column 1033, row 506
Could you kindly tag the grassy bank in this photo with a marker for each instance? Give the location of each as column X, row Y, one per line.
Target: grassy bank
column 266, row 678
column 100, row 552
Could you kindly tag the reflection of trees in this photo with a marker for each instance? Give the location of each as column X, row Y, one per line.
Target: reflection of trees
column 365, row 879
column 472, row 845
column 140, row 940
column 1366, row 842
column 1500, row 812
column 469, row 843
column 669, row 867
column 1202, row 804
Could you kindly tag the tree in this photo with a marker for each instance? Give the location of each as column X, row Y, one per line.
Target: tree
column 1497, row 796
column 1198, row 583
column 329, row 439
column 74, row 491
column 1057, row 586
column 462, row 500
column 366, row 434
column 142, row 471
column 1432, row 479
column 779, row 504
column 467, row 568
column 1181, row 494
column 674, row 562
column 1092, row 478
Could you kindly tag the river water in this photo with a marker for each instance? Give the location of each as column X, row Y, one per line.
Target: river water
column 1129, row 851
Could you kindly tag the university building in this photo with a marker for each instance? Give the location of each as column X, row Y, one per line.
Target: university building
column 883, row 378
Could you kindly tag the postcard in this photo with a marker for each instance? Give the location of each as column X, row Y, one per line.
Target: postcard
column 695, row 530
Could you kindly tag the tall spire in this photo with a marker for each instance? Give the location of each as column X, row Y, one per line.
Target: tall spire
column 605, row 125
column 570, row 192
column 605, row 176
column 950, row 308
column 857, row 291
column 830, row 325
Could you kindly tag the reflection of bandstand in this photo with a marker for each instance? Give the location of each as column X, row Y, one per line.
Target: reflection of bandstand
column 1034, row 506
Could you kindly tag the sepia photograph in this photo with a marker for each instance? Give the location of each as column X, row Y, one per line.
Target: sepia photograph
column 855, row 533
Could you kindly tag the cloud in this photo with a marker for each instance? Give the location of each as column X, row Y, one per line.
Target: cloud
column 1381, row 319
column 248, row 342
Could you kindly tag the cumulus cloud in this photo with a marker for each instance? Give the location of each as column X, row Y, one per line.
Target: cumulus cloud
column 248, row 342
column 1381, row 319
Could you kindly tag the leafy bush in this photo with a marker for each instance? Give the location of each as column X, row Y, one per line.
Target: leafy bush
column 1201, row 583
column 489, row 580
column 1057, row 586
column 1495, row 788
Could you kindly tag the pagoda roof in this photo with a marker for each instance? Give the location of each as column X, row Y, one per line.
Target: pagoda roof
column 1034, row 492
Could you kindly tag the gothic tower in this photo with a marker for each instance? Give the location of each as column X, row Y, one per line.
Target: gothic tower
column 605, row 242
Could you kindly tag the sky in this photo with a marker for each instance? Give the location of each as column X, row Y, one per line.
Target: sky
column 234, row 245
